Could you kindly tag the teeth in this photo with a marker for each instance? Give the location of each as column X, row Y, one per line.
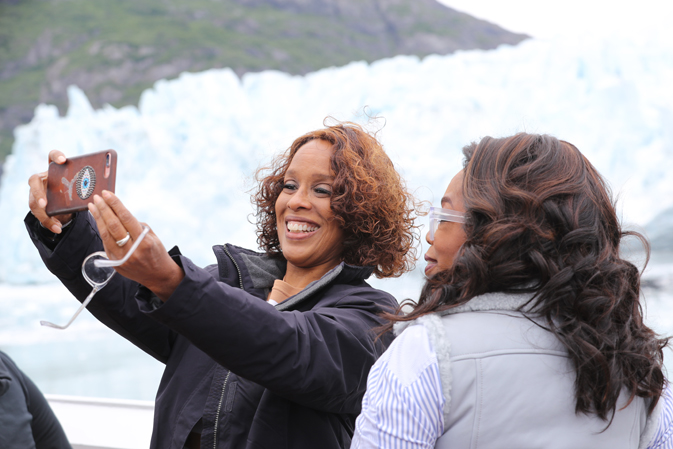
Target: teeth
column 295, row 226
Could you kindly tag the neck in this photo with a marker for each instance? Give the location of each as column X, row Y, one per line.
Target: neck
column 300, row 277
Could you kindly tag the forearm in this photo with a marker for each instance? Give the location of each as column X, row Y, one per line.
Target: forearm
column 114, row 305
column 319, row 358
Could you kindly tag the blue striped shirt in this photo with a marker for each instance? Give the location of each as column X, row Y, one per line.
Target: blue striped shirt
column 403, row 405
column 663, row 438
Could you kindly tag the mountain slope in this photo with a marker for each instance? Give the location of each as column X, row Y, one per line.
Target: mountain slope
column 114, row 50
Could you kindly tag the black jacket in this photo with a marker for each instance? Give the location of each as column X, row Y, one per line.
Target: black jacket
column 26, row 420
column 248, row 374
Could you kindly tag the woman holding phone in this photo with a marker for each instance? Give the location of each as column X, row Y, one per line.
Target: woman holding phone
column 529, row 332
column 267, row 349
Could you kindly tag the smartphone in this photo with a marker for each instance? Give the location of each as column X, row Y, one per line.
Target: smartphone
column 71, row 186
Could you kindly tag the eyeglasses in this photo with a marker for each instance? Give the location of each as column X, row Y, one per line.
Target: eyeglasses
column 438, row 215
column 97, row 269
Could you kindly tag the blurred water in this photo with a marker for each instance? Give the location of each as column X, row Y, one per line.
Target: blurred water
column 90, row 360
column 658, row 294
column 87, row 359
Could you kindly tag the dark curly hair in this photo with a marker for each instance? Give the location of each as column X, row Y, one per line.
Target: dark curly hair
column 369, row 200
column 540, row 219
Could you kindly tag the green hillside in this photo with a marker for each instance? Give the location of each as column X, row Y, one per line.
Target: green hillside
column 115, row 49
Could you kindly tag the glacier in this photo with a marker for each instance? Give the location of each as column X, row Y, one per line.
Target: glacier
column 189, row 151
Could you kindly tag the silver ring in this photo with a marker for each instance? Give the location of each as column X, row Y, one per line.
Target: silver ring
column 123, row 241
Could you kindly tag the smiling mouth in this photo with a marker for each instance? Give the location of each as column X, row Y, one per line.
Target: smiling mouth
column 299, row 227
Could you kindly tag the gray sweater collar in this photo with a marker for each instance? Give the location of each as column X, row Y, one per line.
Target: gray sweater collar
column 497, row 301
column 494, row 301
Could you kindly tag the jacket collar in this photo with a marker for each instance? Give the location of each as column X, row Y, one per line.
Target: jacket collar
column 341, row 274
column 260, row 270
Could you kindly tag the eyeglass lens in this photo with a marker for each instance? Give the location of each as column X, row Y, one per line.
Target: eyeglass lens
column 96, row 275
column 438, row 215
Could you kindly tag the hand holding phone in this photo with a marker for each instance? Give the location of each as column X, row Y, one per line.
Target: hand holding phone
column 72, row 185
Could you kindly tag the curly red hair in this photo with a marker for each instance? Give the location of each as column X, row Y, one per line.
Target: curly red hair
column 369, row 200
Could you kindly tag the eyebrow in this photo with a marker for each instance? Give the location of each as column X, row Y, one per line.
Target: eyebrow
column 446, row 199
column 317, row 176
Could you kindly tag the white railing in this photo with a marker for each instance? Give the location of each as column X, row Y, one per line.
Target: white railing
column 95, row 423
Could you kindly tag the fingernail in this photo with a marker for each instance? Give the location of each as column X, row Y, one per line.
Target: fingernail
column 60, row 159
column 42, row 203
column 97, row 199
column 106, row 194
column 56, row 229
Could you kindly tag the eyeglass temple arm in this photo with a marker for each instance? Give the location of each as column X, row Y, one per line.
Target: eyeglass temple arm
column 82, row 307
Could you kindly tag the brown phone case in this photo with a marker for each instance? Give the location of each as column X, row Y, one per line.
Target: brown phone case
column 71, row 186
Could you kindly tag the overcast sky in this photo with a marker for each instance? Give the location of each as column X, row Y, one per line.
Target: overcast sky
column 545, row 19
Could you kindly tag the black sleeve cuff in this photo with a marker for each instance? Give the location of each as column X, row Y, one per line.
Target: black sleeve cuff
column 48, row 238
column 146, row 295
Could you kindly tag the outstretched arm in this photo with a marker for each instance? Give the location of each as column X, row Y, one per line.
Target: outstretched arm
column 319, row 358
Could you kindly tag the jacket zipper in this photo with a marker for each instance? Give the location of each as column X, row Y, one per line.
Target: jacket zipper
column 226, row 379
column 240, row 278
column 219, row 408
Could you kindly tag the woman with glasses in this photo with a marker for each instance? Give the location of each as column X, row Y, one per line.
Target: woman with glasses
column 267, row 349
column 529, row 331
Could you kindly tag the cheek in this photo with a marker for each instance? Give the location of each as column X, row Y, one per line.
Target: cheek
column 447, row 251
column 337, row 233
column 334, row 233
column 281, row 206
column 279, row 210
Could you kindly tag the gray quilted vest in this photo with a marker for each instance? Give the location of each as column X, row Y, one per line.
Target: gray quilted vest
column 508, row 383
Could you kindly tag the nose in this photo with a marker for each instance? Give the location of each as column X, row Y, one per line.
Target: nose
column 427, row 238
column 299, row 200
